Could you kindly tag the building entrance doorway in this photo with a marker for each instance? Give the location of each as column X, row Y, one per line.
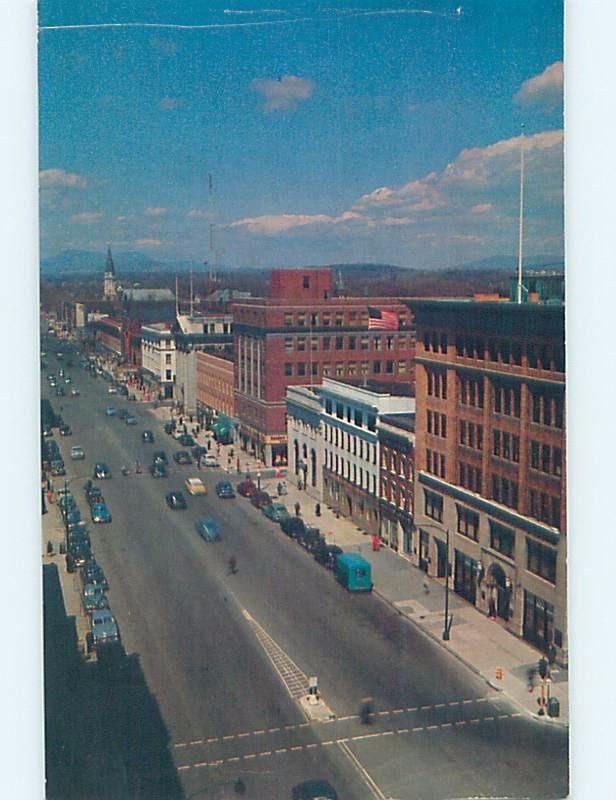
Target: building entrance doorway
column 424, row 550
column 465, row 581
column 441, row 559
column 499, row 597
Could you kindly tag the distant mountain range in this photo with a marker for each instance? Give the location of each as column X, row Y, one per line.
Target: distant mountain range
column 90, row 263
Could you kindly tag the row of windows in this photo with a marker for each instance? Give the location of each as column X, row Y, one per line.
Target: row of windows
column 396, row 494
column 435, row 463
column 349, row 368
column 355, row 415
column 468, row 522
column 379, row 343
column 471, row 434
column 505, row 491
column 437, row 424
column 353, row 444
column 396, row 463
column 350, row 471
column 546, row 459
column 437, row 384
column 435, row 342
column 337, row 318
column 506, row 445
column 546, row 357
column 506, row 400
column 544, row 507
column 471, row 392
column 548, row 409
column 470, row 477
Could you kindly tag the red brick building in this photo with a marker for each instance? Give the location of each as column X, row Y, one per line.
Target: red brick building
column 490, row 460
column 299, row 334
column 396, row 435
column 214, row 384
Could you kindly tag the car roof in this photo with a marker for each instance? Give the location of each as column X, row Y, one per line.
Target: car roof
column 194, row 481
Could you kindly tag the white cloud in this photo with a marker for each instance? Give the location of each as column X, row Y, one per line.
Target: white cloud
column 481, row 208
column 61, row 179
column 148, row 243
column 155, row 211
column 545, row 89
column 273, row 224
column 85, row 217
column 170, row 103
column 283, row 94
column 198, row 213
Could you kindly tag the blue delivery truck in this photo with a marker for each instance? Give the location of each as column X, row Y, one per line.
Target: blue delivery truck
column 353, row 572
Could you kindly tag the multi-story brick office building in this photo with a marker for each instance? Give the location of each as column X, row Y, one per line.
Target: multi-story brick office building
column 490, row 459
column 214, row 384
column 301, row 334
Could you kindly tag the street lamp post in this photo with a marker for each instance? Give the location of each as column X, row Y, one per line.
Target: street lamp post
column 259, row 481
column 448, row 620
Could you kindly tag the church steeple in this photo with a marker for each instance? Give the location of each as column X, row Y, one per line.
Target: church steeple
column 110, row 288
column 109, row 268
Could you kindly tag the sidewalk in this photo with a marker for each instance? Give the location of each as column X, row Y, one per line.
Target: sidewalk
column 52, row 531
column 482, row 644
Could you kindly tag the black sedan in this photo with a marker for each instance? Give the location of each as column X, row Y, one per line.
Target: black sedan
column 176, row 501
column 147, row 437
column 158, row 470
column 182, row 457
column 224, row 489
column 101, row 471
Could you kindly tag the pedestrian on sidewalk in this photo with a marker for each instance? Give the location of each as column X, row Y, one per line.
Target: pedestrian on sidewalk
column 376, row 543
column 297, row 508
column 426, row 583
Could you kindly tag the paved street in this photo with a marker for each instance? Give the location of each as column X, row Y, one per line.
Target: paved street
column 439, row 730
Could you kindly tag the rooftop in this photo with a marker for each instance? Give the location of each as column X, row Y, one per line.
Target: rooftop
column 405, row 421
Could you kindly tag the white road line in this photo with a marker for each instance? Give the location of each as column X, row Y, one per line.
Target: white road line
column 370, row 782
column 249, row 756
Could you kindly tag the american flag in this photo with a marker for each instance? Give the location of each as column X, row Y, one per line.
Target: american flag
column 379, row 320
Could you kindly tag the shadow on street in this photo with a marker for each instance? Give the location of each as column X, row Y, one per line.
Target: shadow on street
column 104, row 735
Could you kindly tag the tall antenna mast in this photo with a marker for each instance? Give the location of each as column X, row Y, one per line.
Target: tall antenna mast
column 521, row 231
column 177, row 298
column 210, row 185
column 191, row 290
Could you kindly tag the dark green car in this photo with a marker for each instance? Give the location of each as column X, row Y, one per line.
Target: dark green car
column 276, row 511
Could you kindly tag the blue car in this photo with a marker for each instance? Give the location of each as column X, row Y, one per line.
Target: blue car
column 224, row 489
column 110, row 411
column 100, row 513
column 208, row 529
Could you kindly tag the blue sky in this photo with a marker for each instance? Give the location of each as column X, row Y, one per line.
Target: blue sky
column 378, row 131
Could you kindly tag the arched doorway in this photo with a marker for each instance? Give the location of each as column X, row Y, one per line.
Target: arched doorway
column 499, row 592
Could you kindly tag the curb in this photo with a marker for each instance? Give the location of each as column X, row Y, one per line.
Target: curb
column 533, row 715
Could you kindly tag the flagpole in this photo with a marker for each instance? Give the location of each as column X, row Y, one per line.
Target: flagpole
column 521, row 229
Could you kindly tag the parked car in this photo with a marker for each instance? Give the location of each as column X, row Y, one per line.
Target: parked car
column 275, row 511
column 77, row 452
column 312, row 539
column 326, row 554
column 158, row 469
column 65, row 430
column 72, row 516
column 130, row 420
column 93, row 598
column 123, row 413
column 57, row 468
column 105, row 637
column 60, row 391
column 160, row 455
column 246, row 488
column 78, row 534
column 182, row 457
column 260, row 499
column 101, row 471
column 147, row 437
column 112, row 389
column 210, row 461
column 293, row 526
column 178, row 432
column 224, row 489
column 100, row 513
column 186, row 440
column 92, row 572
column 195, row 486
column 199, row 451
column 176, row 500
column 94, row 495
column 75, row 392
column 110, row 411
column 208, row 529
column 169, row 427
column 76, row 556
column 314, row 790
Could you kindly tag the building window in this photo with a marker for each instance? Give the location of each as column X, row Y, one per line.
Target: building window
column 376, row 367
column 352, row 340
column 339, row 342
column 314, row 343
column 327, row 370
column 433, row 505
column 340, row 410
column 167, row 358
column 471, row 392
column 505, row 491
column 339, row 369
column 306, row 282
column 326, row 342
column 288, row 369
column 541, row 560
column 402, row 367
column 288, row 344
column 352, row 368
column 502, row 539
column 301, row 343
column 358, row 418
column 314, row 368
column 288, row 319
column 371, row 422
column 468, row 522
column 339, row 319
column 377, row 343
column 327, row 319
column 328, row 405
column 301, row 320
column 364, row 342
column 389, row 367
column 437, row 384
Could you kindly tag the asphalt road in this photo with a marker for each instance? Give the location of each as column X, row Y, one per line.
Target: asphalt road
column 440, row 732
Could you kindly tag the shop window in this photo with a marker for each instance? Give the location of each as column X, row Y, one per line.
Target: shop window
column 468, row 522
column 541, row 560
column 502, row 539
